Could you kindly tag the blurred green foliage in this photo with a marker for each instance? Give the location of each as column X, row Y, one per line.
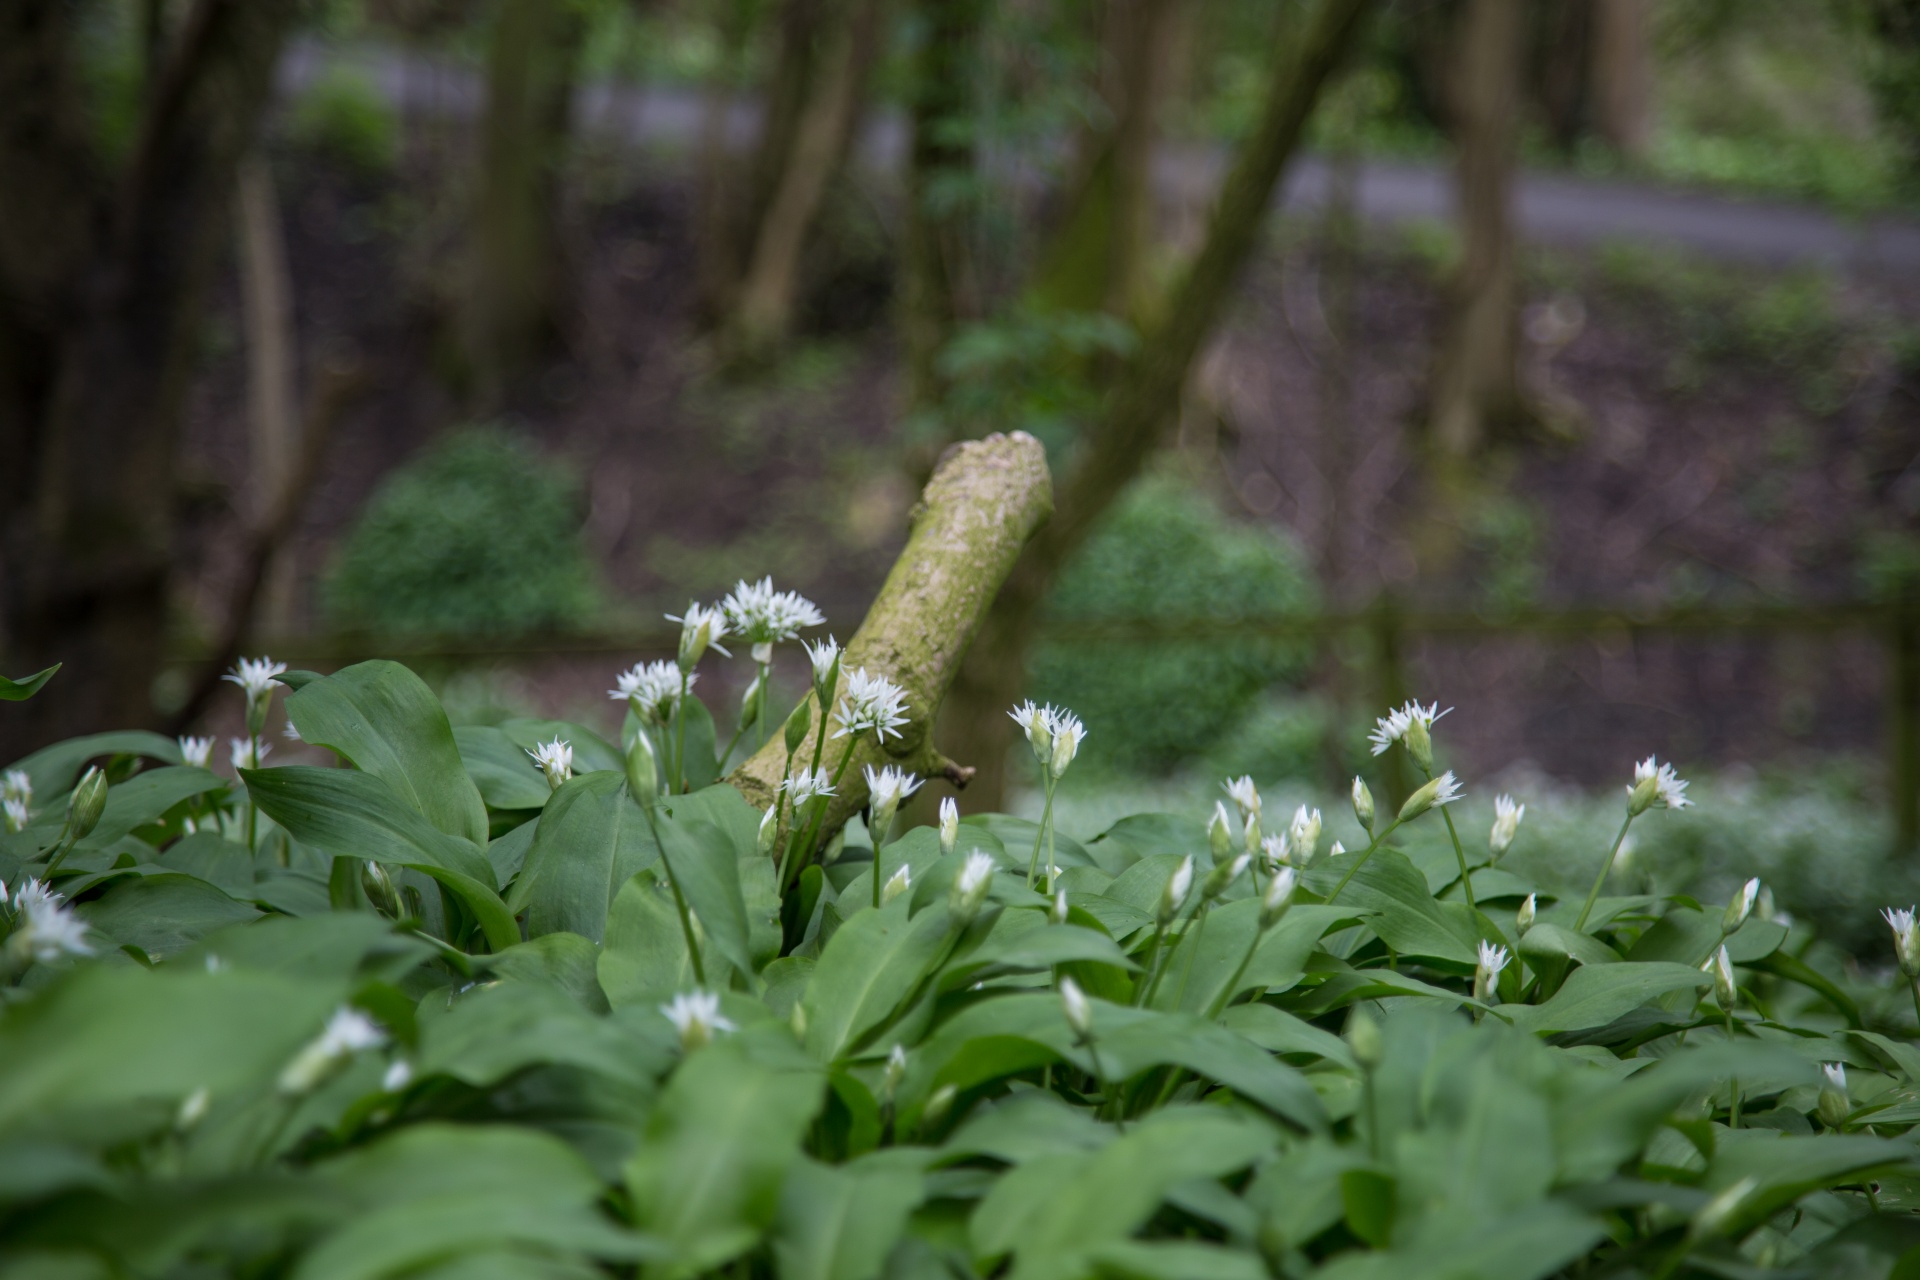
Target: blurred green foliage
column 344, row 118
column 1165, row 554
column 479, row 535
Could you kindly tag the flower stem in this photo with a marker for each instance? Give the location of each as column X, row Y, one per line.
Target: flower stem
column 1361, row 861
column 820, row 816
column 1153, row 959
column 1914, row 983
column 1593, row 894
column 1040, row 835
column 1733, row 1082
column 1466, row 878
column 679, row 779
column 679, row 902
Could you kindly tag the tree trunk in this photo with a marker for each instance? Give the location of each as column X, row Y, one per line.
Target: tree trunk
column 1622, row 75
column 515, row 276
column 769, row 290
column 1476, row 388
column 99, row 294
column 266, row 305
column 1145, row 396
column 937, row 285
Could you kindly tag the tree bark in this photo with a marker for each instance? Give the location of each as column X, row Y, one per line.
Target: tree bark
column 516, row 276
column 769, row 290
column 1476, row 386
column 1146, row 394
column 266, row 307
column 937, row 285
column 1622, row 75
column 982, row 506
column 99, row 289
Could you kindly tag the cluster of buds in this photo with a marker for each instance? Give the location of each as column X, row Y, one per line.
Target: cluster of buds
column 1834, row 1105
column 949, row 825
column 652, row 690
column 1174, row 896
column 1655, row 785
column 886, row 788
column 1506, row 824
column 1277, row 897
column 1412, row 727
column 1246, row 798
column 1740, row 907
column 897, row 883
column 643, row 774
column 1906, row 939
column 1725, row 990
column 1435, row 793
column 1053, row 733
column 555, row 760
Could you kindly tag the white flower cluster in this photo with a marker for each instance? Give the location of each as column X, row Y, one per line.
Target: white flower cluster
column 196, row 752
column 44, row 927
column 247, row 753
column 1054, row 734
column 555, row 760
column 255, row 676
column 807, row 784
column 16, row 799
column 763, row 617
column 652, row 689
column 1393, row 726
column 871, row 704
column 696, row 1016
column 1656, row 784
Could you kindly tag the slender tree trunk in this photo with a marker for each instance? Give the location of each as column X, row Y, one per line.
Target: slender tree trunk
column 1622, row 75
column 769, row 291
column 938, row 288
column 1476, row 388
column 515, row 276
column 1145, row 396
column 266, row 305
column 99, row 292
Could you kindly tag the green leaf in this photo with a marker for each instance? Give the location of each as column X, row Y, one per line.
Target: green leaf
column 213, row 858
column 591, row 840
column 494, row 1033
column 1688, row 936
column 1367, row 1196
column 1528, row 1244
column 644, row 959
column 1406, row 916
column 870, row 965
column 1023, row 941
column 384, row 720
column 25, row 687
column 708, row 1177
column 1785, row 965
column 706, row 863
column 162, row 914
column 1551, row 941
column 502, row 771
column 840, row 1223
column 1176, row 1260
column 54, row 769
column 1595, row 995
column 591, row 752
column 1278, row 1031
column 144, row 798
column 564, row 961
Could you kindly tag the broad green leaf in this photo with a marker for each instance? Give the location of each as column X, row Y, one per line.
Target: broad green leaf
column 870, row 965
column 1176, row 1260
column 591, row 840
column 1143, row 835
column 1016, row 837
column 1785, row 1167
column 25, row 687
column 1687, row 936
column 1786, row 965
column 213, row 858
column 146, row 796
column 502, row 771
column 382, row 718
column 839, row 1223
column 1025, row 1126
column 507, row 853
column 644, row 959
column 1545, row 942
column 706, row 862
column 1278, row 1031
column 1029, row 940
column 162, row 914
column 1406, row 917
column 707, row 1178
column 54, row 769
column 493, row 1033
column 1528, row 1244
column 1594, row 995
column 760, row 895
column 564, row 961
column 1280, row 960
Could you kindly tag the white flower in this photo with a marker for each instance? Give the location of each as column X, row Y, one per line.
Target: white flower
column 1833, row 1105
column 1037, row 724
column 807, row 784
column 1836, row 1074
column 256, row 676
column 762, row 616
column 45, row 927
column 1277, row 897
column 949, row 825
column 871, row 703
column 887, row 787
column 1243, row 794
column 1067, row 734
column 16, row 813
column 1393, row 726
column 555, row 760
column 1656, row 784
column 894, row 1072
column 1741, row 906
column 1275, row 852
column 1724, row 988
column 822, row 656
column 398, row 1076
column 1436, row 792
column 1079, row 1009
column 651, row 688
column 700, row 626
column 18, row 785
column 197, row 752
column 347, row 1032
column 1906, row 939
column 1303, row 834
column 1179, row 885
column 246, row 753
column 696, row 1016
column 1506, row 822
column 1486, row 974
column 897, row 883
column 291, row 732
column 971, row 885
column 1060, row 909
column 1335, row 849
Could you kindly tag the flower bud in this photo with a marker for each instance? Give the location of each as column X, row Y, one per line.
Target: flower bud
column 1363, row 804
column 1038, row 727
column 1834, row 1106
column 1725, row 990
column 752, row 700
column 949, row 825
column 1363, row 1035
column 1219, row 834
column 799, row 724
column 379, row 889
column 1174, row 896
column 1437, row 791
column 970, row 886
column 893, row 1073
column 1524, row 920
column 696, row 1016
column 1067, row 733
column 85, row 805
column 1277, row 898
column 1419, row 743
column 1250, row 834
column 1641, row 795
column 769, row 831
column 1079, row 1009
column 1906, row 939
column 1740, row 907
column 1223, row 875
column 1303, row 835
column 897, row 883
column 1506, row 822
column 1059, row 912
column 797, row 1021
column 938, row 1106
column 643, row 773
column 1486, row 974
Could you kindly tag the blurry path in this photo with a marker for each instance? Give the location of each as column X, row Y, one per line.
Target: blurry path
column 1554, row 209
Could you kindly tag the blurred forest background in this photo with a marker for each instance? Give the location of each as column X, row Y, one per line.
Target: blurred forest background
column 1554, row 359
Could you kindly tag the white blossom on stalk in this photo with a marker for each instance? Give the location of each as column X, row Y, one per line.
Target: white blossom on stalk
column 1740, row 906
column 1244, row 795
column 1277, row 897
column 16, row 813
column 1274, row 852
column 696, row 1016
column 1486, row 973
column 247, row 753
column 1303, row 834
column 1067, row 735
column 1060, row 909
column 1720, row 966
column 1078, row 1008
column 806, row 785
column 652, row 689
column 897, row 883
column 871, row 703
column 347, row 1032
column 255, row 676
column 1362, row 804
column 1443, row 790
column 197, row 752
column 764, row 617
column 893, row 1073
column 971, row 885
column 1179, row 885
column 1037, row 724
column 18, row 785
column 1506, row 823
column 1219, row 833
column 1906, row 938
column 887, row 787
column 768, row 831
column 1393, row 726
column 1834, row 1104
column 1656, row 785
column 1523, row 920
column 823, row 656
column 45, row 928
column 949, row 825
column 555, row 760
column 700, row 626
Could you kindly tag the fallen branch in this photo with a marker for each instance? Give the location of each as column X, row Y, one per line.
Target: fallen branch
column 986, row 498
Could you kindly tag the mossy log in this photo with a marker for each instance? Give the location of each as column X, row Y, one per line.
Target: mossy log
column 986, row 498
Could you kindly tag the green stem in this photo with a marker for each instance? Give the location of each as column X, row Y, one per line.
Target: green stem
column 1593, row 894
column 253, row 813
column 1361, row 861
column 1106, row 1090
column 680, row 736
column 679, row 902
column 759, row 714
column 1166, row 959
column 1733, row 1082
column 1040, row 835
column 1153, row 958
column 1466, row 878
column 813, row 828
column 1186, row 974
column 1914, row 983
column 1221, row 1001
